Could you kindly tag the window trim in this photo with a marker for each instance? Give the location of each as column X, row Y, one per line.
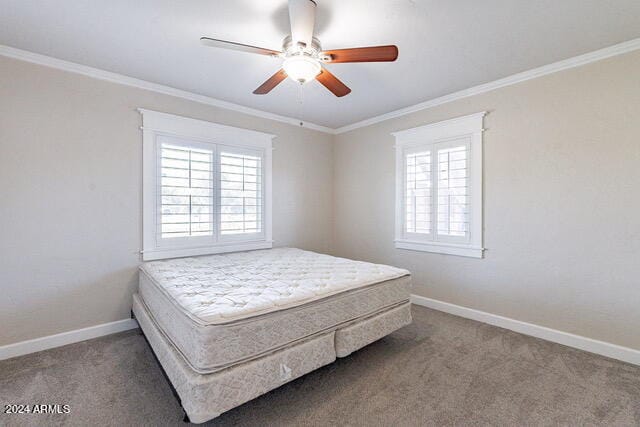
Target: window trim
column 215, row 136
column 426, row 137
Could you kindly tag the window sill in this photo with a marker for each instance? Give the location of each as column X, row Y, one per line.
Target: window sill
column 219, row 248
column 440, row 248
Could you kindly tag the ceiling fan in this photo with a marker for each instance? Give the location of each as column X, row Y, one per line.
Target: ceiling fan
column 303, row 55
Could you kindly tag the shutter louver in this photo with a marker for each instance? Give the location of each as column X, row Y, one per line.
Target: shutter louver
column 240, row 193
column 418, row 193
column 186, row 190
column 453, row 191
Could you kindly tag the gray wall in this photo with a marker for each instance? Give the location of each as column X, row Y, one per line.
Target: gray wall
column 562, row 205
column 70, row 212
column 562, row 228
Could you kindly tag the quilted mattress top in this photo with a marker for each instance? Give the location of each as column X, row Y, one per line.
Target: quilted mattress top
column 217, row 289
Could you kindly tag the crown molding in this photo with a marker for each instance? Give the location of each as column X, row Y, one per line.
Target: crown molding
column 109, row 76
column 576, row 61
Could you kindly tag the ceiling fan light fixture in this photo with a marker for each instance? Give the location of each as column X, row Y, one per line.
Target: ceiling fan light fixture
column 301, row 68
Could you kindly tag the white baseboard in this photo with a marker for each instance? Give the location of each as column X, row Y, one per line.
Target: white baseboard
column 64, row 338
column 602, row 348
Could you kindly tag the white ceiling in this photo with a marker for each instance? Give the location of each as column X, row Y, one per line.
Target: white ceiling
column 445, row 45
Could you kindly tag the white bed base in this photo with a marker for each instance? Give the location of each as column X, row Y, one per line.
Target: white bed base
column 206, row 396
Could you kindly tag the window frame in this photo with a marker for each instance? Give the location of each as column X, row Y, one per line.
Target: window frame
column 433, row 137
column 212, row 136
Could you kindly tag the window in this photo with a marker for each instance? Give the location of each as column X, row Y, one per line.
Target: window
column 439, row 187
column 206, row 187
column 240, row 193
column 185, row 190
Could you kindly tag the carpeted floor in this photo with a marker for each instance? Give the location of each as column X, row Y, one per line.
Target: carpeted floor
column 441, row 370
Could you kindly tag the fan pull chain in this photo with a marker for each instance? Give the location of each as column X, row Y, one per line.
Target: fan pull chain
column 300, row 97
column 300, row 100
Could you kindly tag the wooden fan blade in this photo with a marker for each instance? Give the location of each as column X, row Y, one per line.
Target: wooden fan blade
column 272, row 82
column 363, row 54
column 207, row 41
column 332, row 83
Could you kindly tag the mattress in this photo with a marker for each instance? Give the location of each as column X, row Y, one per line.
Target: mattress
column 221, row 310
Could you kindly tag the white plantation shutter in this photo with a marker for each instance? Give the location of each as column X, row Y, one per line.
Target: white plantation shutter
column 186, row 190
column 453, row 191
column 439, row 187
column 206, row 187
column 418, row 192
column 241, row 199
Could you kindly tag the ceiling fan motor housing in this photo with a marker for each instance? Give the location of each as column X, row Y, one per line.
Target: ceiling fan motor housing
column 291, row 48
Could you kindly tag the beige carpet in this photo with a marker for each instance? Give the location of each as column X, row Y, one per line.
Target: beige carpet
column 441, row 370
